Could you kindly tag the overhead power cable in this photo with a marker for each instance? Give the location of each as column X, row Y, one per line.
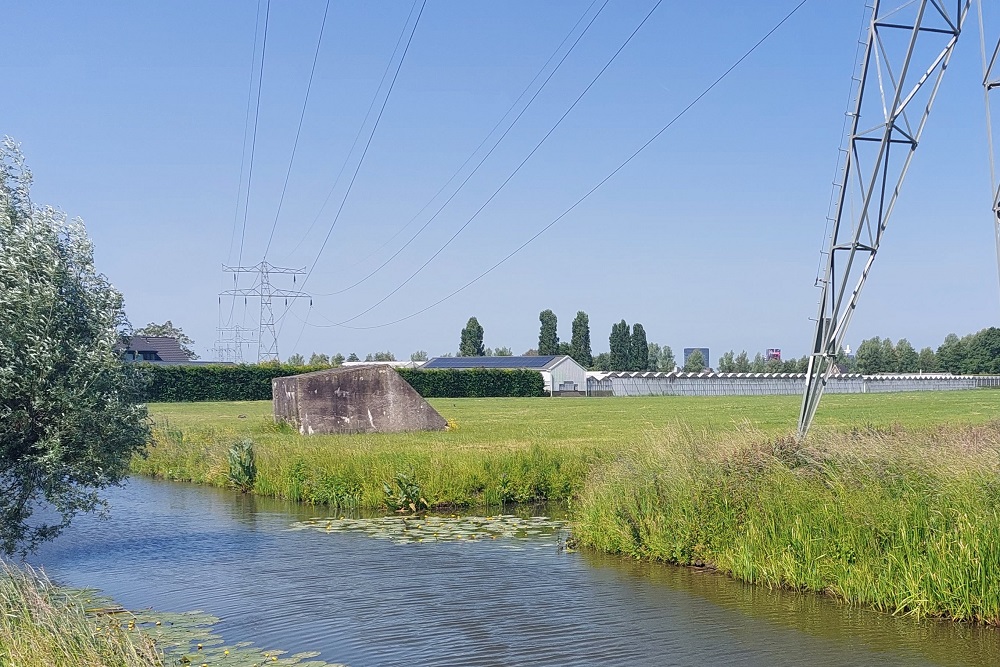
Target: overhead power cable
column 243, row 155
column 246, row 128
column 357, row 137
column 357, row 168
column 253, row 139
column 513, row 173
column 591, row 191
column 298, row 130
column 496, row 143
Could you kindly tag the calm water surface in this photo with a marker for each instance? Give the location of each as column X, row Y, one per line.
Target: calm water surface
column 365, row 601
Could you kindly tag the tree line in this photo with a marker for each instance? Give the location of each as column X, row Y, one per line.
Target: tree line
column 973, row 354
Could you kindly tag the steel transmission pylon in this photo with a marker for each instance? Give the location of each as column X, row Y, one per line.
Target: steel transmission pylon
column 267, row 339
column 904, row 60
column 991, row 82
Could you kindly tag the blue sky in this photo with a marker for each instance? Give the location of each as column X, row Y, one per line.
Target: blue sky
column 132, row 115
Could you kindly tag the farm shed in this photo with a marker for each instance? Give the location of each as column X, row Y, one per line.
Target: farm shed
column 563, row 376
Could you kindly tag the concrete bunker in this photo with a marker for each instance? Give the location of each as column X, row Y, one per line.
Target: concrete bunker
column 362, row 399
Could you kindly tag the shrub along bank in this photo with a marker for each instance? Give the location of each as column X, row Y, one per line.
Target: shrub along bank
column 252, row 382
column 905, row 522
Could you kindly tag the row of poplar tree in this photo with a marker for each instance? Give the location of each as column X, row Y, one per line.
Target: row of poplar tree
column 629, row 349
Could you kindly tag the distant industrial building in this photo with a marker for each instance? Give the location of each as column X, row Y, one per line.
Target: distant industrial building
column 688, row 351
column 562, row 375
column 772, row 354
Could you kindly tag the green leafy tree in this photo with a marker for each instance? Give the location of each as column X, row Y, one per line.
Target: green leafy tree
column 620, row 341
column 503, row 352
column 742, row 362
column 321, row 360
column 337, row 360
column 638, row 349
column 666, row 362
column 951, row 354
column 471, row 344
column 727, row 362
column 419, row 355
column 758, row 365
column 385, row 356
column 352, row 357
column 548, row 336
column 580, row 340
column 530, row 353
column 602, row 362
column 695, row 363
column 169, row 330
column 802, row 365
column 927, row 361
column 889, row 359
column 564, row 348
column 774, row 366
column 983, row 352
column 907, row 359
column 70, row 415
column 870, row 356
column 296, row 360
column 653, row 356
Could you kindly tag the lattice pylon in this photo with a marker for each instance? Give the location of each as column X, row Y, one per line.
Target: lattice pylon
column 906, row 55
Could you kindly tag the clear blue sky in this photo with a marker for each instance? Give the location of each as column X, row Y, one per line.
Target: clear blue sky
column 132, row 117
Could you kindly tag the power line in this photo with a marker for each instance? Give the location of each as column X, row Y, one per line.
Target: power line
column 253, row 141
column 243, row 156
column 354, row 176
column 514, row 172
column 298, row 130
column 246, row 126
column 477, row 149
column 357, row 136
column 592, row 190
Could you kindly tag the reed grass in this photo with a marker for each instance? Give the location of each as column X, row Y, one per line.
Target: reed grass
column 42, row 625
column 905, row 521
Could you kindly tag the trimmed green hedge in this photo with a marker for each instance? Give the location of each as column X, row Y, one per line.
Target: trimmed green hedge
column 246, row 382
column 474, row 382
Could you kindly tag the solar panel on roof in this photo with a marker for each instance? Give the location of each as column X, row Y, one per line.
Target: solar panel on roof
column 488, row 362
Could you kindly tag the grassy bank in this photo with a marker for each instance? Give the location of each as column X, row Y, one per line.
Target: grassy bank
column 503, row 450
column 903, row 520
column 44, row 626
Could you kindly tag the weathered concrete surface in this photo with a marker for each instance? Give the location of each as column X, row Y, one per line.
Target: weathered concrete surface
column 365, row 399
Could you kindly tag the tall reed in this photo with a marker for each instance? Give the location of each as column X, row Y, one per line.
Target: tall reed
column 42, row 625
column 906, row 522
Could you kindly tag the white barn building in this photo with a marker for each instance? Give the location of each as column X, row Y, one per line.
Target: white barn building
column 562, row 375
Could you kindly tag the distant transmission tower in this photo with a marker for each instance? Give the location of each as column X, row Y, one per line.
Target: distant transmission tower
column 230, row 343
column 267, row 340
column 905, row 58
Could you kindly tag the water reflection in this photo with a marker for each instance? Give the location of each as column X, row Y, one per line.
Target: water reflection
column 367, row 601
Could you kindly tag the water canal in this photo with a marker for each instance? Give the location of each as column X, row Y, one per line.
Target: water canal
column 361, row 600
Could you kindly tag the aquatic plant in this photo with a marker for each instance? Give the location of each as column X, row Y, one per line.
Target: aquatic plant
column 242, row 465
column 404, row 494
column 431, row 528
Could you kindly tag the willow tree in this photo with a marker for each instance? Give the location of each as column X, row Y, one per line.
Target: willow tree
column 70, row 418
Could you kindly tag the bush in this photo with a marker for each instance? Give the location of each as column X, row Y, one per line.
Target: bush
column 247, row 382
